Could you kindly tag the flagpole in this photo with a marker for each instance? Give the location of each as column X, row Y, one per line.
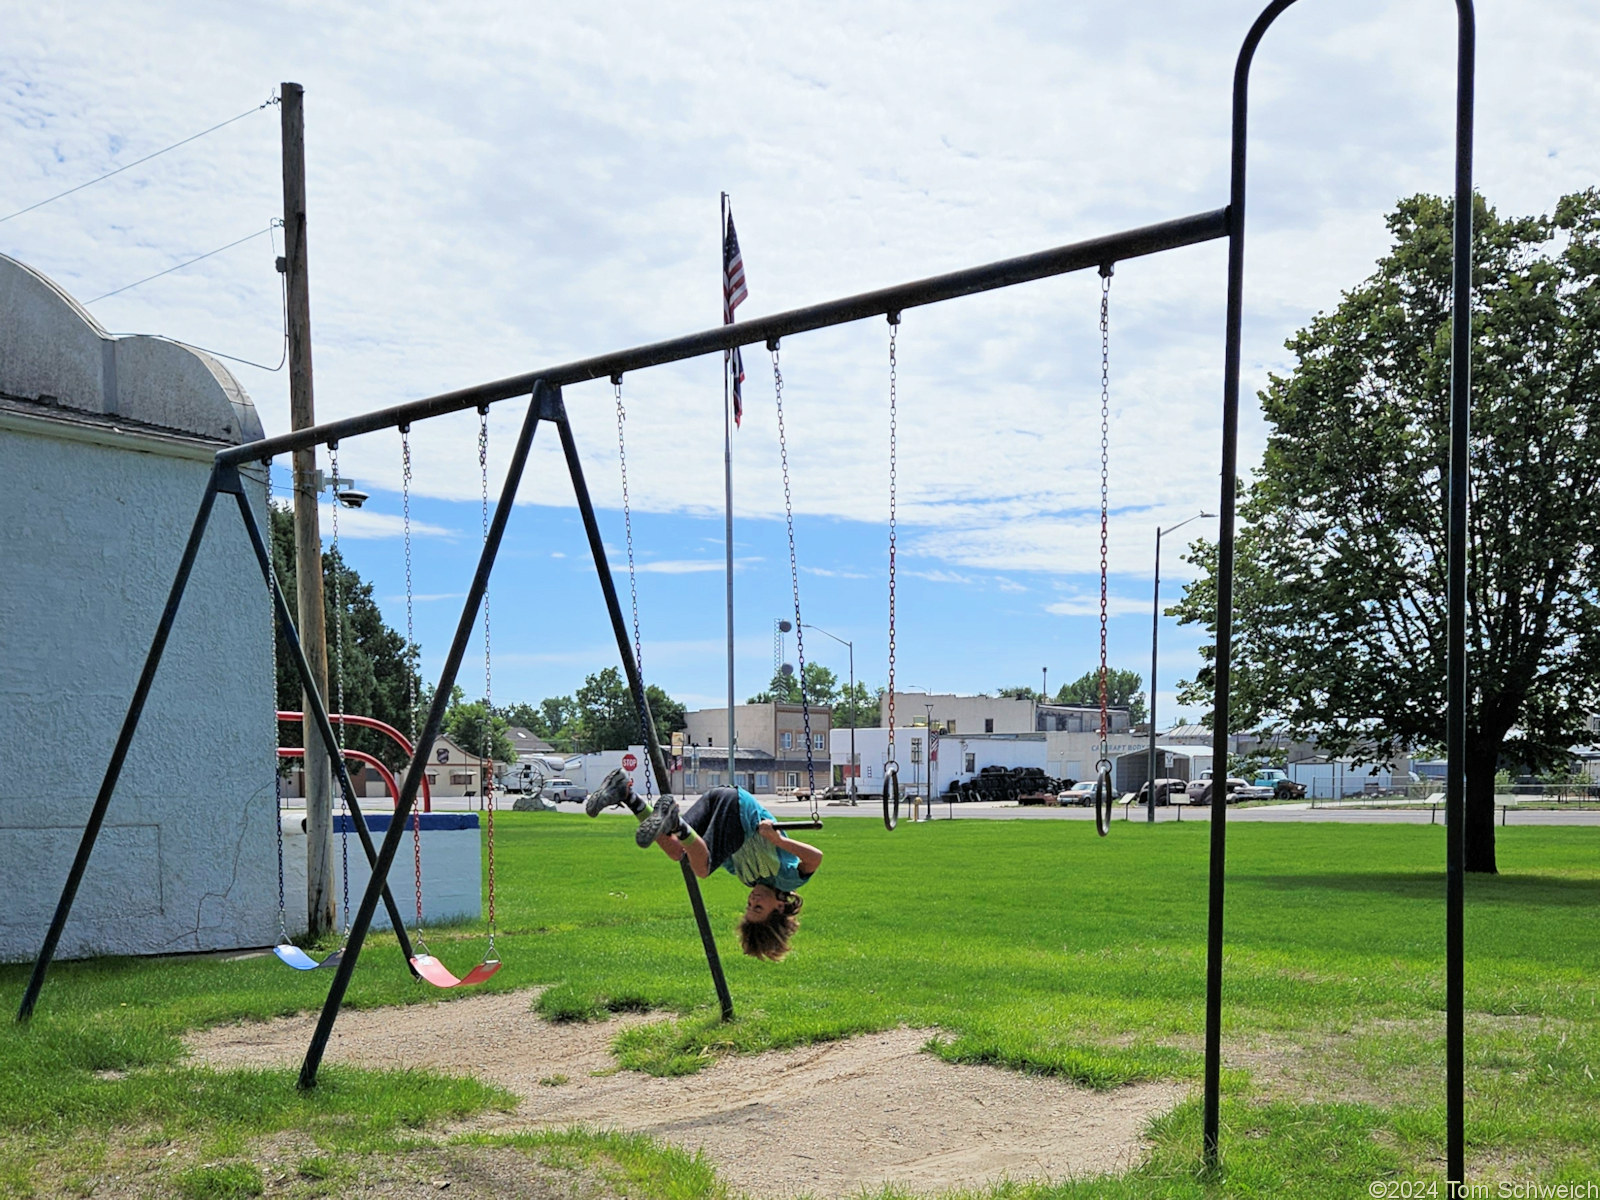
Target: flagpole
column 727, row 479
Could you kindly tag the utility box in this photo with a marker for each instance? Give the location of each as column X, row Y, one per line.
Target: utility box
column 452, row 869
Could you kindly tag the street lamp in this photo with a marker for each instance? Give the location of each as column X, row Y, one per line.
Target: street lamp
column 1155, row 629
column 850, row 646
column 931, row 759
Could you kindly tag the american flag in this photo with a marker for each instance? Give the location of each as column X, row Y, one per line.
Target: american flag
column 734, row 293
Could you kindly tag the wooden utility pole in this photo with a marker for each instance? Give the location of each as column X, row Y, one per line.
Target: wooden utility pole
column 307, row 535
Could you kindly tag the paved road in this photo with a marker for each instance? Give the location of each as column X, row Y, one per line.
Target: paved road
column 789, row 810
column 1277, row 812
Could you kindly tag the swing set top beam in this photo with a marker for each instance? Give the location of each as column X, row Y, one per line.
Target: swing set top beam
column 1076, row 256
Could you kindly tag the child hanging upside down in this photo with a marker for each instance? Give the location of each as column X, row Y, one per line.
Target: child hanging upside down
column 727, row 828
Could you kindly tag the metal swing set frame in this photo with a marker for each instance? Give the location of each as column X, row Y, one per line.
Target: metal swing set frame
column 544, row 386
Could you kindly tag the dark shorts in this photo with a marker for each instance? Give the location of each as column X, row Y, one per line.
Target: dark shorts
column 715, row 817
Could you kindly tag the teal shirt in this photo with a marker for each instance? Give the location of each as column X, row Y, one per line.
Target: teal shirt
column 758, row 860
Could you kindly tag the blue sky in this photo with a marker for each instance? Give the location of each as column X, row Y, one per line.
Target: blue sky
column 493, row 187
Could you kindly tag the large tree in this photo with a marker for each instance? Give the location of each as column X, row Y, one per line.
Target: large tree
column 470, row 725
column 1339, row 602
column 1123, row 690
column 858, row 705
column 379, row 671
column 822, row 687
column 604, row 706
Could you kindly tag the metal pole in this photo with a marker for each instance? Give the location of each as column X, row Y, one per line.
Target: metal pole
column 727, row 488
column 538, row 407
column 1155, row 630
column 636, row 684
column 1078, row 256
column 851, row 646
column 1456, row 602
column 307, row 536
column 1225, row 554
column 119, row 753
column 317, row 715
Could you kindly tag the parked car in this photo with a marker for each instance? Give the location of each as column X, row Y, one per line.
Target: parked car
column 1166, row 791
column 1200, row 790
column 563, row 789
column 1081, row 792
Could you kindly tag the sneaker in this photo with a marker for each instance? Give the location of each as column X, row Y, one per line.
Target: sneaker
column 664, row 819
column 614, row 790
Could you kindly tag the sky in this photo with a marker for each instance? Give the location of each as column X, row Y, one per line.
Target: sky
column 495, row 187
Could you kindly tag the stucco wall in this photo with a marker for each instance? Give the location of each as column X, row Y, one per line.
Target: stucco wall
column 96, row 513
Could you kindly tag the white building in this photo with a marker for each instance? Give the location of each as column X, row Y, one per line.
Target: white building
column 106, row 444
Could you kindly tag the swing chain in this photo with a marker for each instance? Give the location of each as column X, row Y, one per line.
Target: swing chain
column 633, row 596
column 411, row 640
column 1106, row 270
column 894, row 331
column 794, row 580
column 411, row 675
column 338, row 676
column 277, row 779
column 488, row 690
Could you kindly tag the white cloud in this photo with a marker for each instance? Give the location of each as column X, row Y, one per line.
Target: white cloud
column 570, row 217
column 1085, row 605
column 682, row 566
column 366, row 524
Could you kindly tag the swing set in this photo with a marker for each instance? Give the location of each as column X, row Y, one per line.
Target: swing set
column 546, row 406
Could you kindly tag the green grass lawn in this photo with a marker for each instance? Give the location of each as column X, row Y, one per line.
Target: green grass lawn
column 1031, row 944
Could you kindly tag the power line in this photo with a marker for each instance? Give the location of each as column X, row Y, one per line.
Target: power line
column 271, row 100
column 283, row 281
column 248, row 237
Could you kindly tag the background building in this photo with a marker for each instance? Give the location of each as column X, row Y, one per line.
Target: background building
column 771, row 746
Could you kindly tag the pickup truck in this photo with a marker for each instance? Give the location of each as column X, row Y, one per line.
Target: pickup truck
column 563, row 789
column 1283, row 788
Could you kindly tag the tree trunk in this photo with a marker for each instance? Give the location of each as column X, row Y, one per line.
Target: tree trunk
column 1480, row 812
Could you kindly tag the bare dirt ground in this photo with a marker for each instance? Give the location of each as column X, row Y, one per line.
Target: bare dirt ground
column 824, row 1120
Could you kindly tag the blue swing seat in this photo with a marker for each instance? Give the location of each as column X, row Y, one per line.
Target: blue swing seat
column 301, row 961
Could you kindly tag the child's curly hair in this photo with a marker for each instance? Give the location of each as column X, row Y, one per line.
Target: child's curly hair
column 769, row 938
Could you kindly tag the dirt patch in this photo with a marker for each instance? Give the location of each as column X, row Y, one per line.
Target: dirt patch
column 826, row 1119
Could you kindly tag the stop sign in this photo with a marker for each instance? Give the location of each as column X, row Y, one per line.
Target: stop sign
column 629, row 762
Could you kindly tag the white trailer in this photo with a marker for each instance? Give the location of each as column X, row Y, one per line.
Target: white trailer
column 952, row 756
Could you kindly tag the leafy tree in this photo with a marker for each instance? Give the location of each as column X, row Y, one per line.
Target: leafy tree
column 556, row 719
column 1339, row 603
column 604, row 707
column 668, row 714
column 464, row 724
column 1124, row 689
column 379, row 671
column 528, row 717
column 864, row 705
column 1019, row 693
column 822, row 686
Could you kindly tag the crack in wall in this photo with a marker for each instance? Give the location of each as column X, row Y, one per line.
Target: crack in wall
column 192, row 935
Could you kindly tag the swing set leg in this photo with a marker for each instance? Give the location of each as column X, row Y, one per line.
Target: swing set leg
column 636, row 684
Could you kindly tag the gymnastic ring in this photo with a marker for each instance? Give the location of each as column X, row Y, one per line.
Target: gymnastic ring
column 891, row 794
column 1103, row 798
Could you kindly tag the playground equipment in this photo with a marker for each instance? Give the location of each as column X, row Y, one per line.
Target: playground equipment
column 546, row 405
